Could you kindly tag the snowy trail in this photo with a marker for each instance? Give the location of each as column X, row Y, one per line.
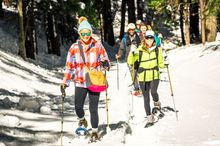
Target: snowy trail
column 195, row 78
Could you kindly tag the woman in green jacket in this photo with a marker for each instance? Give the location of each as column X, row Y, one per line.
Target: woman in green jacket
column 147, row 59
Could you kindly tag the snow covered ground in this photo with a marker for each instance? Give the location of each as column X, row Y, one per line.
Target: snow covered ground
column 196, row 84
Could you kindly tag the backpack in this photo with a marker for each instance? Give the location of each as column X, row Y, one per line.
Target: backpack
column 126, row 41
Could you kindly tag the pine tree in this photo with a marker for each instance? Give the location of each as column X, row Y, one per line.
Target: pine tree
column 202, row 10
column 123, row 10
column 194, row 21
column 186, row 22
column 108, row 23
column 181, row 22
column 140, row 9
column 131, row 11
column 22, row 49
column 30, row 32
column 1, row 9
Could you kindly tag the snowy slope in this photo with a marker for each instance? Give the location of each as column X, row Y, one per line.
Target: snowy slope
column 195, row 78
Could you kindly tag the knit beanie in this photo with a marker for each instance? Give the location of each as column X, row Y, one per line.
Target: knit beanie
column 84, row 24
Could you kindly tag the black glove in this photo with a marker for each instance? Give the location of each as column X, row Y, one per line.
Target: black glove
column 136, row 65
column 105, row 64
column 166, row 61
column 62, row 89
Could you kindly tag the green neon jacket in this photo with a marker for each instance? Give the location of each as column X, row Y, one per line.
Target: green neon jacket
column 148, row 69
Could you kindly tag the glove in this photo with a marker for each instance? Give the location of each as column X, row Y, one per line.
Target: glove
column 166, row 60
column 136, row 65
column 105, row 64
column 117, row 56
column 62, row 89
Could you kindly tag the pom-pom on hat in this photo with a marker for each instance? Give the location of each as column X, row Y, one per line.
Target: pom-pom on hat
column 84, row 24
column 82, row 18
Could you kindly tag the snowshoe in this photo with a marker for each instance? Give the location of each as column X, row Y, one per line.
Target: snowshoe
column 81, row 131
column 148, row 125
column 157, row 113
column 150, row 121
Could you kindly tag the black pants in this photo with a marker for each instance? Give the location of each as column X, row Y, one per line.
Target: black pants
column 80, row 96
column 146, row 88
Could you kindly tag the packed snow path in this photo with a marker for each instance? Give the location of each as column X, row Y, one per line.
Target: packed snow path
column 195, row 78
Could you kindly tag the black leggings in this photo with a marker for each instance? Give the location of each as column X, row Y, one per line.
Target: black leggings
column 146, row 87
column 80, row 96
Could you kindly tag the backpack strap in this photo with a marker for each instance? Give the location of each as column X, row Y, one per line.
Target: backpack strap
column 141, row 69
column 156, row 51
column 140, row 55
column 81, row 52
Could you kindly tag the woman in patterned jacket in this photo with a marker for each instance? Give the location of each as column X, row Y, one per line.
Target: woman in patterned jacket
column 95, row 57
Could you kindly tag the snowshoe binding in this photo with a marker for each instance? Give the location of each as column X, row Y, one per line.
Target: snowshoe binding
column 94, row 137
column 82, row 129
column 157, row 113
column 150, row 121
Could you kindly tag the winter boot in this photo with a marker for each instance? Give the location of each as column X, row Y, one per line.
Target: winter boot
column 150, row 119
column 157, row 105
column 83, row 122
column 94, row 136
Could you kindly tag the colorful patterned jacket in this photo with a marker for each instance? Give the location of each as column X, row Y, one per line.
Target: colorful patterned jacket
column 75, row 64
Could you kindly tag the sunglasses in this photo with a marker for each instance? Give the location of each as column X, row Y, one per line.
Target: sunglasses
column 85, row 34
column 149, row 37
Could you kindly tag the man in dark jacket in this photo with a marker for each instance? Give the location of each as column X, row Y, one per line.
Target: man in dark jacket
column 128, row 44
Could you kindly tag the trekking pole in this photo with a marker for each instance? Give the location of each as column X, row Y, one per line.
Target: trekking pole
column 106, row 98
column 117, row 74
column 171, row 90
column 126, row 73
column 62, row 114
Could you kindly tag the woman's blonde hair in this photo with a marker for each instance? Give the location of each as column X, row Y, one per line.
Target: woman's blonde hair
column 144, row 44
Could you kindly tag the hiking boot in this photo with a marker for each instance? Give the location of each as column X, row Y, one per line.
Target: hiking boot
column 157, row 105
column 137, row 93
column 150, row 119
column 83, row 123
column 94, row 137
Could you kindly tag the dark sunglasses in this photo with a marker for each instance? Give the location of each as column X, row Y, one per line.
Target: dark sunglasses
column 149, row 37
column 86, row 34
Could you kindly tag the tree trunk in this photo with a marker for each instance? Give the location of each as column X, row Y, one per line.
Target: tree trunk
column 1, row 9
column 211, row 28
column 131, row 11
column 186, row 22
column 140, row 10
column 218, row 21
column 63, row 29
column 52, row 33
column 194, row 22
column 22, row 49
column 202, row 8
column 101, row 27
column 30, row 32
column 181, row 22
column 107, row 23
column 123, row 10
